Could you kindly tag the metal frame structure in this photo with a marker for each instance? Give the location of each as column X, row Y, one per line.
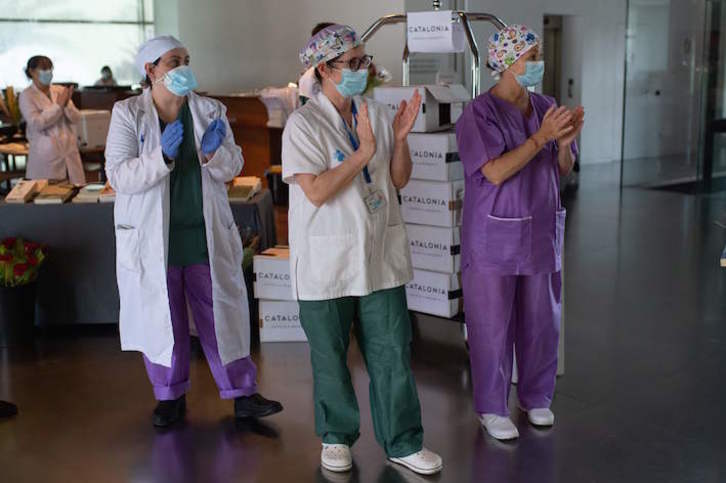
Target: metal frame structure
column 460, row 16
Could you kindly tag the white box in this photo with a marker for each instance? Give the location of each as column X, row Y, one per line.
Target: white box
column 435, row 248
column 93, row 127
column 435, row 293
column 441, row 106
column 433, row 203
column 435, row 156
column 280, row 322
column 272, row 274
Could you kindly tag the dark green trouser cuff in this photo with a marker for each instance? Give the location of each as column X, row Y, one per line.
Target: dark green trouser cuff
column 383, row 332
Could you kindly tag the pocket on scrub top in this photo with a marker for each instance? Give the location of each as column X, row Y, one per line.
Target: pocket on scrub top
column 332, row 258
column 508, row 240
column 128, row 253
column 561, row 217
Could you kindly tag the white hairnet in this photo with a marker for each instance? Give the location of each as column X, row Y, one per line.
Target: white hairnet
column 154, row 48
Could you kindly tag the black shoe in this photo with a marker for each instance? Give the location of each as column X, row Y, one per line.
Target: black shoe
column 255, row 406
column 7, row 410
column 169, row 412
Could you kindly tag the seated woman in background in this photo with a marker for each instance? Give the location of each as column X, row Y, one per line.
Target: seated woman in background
column 50, row 114
column 107, row 78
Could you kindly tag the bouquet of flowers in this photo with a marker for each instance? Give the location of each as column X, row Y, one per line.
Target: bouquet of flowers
column 19, row 262
column 11, row 102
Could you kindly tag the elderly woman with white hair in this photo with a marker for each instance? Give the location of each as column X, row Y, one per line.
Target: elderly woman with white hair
column 178, row 251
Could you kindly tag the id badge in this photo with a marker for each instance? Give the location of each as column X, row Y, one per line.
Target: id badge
column 375, row 201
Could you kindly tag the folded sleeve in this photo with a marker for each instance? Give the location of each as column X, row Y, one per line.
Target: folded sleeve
column 302, row 152
column 479, row 139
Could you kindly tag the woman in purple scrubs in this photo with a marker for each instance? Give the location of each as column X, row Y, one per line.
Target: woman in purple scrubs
column 515, row 145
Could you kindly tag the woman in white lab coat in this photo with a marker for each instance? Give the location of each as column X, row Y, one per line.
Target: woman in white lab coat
column 168, row 155
column 344, row 157
column 50, row 115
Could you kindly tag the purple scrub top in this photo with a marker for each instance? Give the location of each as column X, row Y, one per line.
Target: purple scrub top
column 516, row 228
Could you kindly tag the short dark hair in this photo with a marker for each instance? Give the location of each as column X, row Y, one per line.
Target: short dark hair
column 321, row 26
column 105, row 68
column 33, row 63
column 147, row 81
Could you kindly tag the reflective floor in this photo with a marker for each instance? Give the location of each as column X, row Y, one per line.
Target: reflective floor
column 670, row 170
column 641, row 400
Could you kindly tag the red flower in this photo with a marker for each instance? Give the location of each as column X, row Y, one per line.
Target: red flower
column 31, row 247
column 20, row 269
column 6, row 258
column 9, row 243
column 32, row 260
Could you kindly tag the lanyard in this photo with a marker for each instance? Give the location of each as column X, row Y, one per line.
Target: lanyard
column 354, row 142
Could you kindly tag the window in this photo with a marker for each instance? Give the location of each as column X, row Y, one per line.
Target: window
column 80, row 37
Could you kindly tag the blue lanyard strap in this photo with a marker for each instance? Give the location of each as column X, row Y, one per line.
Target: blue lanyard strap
column 354, row 142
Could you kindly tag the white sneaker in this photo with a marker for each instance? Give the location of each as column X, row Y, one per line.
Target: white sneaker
column 336, row 457
column 499, row 427
column 423, row 462
column 541, row 417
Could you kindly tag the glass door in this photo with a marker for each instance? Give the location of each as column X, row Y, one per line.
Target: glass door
column 662, row 125
column 714, row 146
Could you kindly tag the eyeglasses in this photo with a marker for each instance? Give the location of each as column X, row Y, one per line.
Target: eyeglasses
column 356, row 63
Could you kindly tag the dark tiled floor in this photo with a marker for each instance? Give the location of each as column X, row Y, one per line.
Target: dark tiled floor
column 641, row 400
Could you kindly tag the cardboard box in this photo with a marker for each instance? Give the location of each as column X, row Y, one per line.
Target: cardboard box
column 432, row 203
column 435, row 293
column 272, row 274
column 435, row 156
column 280, row 322
column 93, row 127
column 435, row 248
column 441, row 106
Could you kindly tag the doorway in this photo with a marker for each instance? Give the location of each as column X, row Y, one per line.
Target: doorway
column 562, row 53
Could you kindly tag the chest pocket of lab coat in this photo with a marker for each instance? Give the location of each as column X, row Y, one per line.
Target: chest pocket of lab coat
column 127, row 248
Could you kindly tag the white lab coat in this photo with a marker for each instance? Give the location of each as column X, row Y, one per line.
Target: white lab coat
column 53, row 152
column 136, row 170
column 340, row 249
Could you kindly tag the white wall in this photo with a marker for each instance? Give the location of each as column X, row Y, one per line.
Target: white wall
column 240, row 45
column 601, row 24
column 602, row 44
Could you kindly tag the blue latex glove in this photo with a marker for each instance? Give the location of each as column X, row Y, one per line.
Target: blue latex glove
column 214, row 136
column 171, row 139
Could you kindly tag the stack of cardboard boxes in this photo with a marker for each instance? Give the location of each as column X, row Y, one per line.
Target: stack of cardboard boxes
column 431, row 203
column 279, row 312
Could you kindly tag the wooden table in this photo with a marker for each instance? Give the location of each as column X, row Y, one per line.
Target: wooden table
column 8, row 152
column 77, row 284
column 14, row 149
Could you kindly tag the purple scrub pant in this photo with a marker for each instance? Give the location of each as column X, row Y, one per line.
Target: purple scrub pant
column 238, row 378
column 504, row 313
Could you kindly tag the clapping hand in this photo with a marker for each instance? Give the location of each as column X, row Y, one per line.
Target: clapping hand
column 406, row 117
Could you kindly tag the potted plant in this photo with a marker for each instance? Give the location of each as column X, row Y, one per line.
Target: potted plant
column 20, row 262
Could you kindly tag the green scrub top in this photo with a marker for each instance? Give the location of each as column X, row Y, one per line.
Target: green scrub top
column 187, row 236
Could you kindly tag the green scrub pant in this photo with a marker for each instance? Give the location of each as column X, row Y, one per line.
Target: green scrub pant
column 383, row 332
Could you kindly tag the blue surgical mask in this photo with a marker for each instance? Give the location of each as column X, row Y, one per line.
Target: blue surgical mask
column 353, row 83
column 180, row 81
column 533, row 75
column 45, row 77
